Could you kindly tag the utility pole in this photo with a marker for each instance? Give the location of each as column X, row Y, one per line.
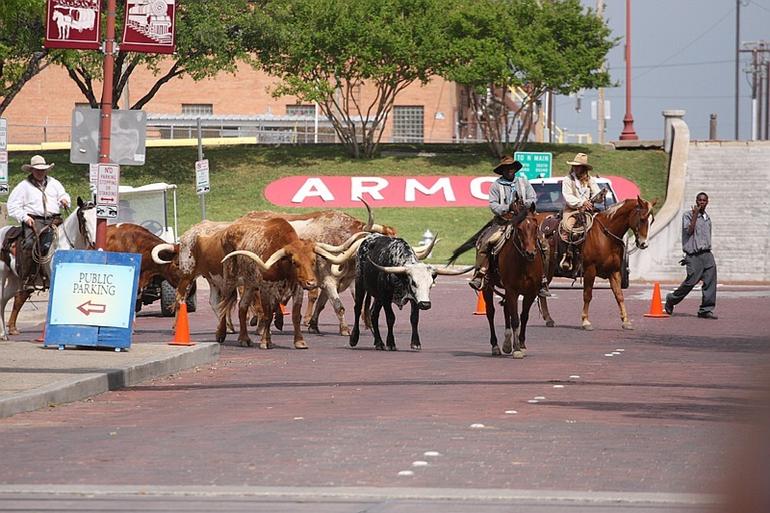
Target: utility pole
column 105, row 128
column 737, row 63
column 628, row 133
column 600, row 101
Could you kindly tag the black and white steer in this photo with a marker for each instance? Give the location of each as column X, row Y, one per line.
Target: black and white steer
column 389, row 272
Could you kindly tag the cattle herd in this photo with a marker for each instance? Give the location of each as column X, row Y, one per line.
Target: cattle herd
column 261, row 260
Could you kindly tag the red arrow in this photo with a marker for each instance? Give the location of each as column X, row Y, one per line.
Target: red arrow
column 88, row 308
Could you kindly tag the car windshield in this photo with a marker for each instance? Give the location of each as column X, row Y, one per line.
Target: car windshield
column 147, row 209
column 549, row 198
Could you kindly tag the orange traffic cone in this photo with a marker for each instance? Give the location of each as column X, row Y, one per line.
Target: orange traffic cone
column 182, row 328
column 481, row 305
column 41, row 338
column 656, row 306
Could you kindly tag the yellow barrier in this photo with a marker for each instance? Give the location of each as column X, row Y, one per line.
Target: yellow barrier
column 151, row 143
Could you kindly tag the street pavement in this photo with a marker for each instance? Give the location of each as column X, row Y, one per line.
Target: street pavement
column 655, row 419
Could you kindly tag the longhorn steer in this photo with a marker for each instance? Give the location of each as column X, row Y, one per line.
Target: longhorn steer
column 390, row 272
column 268, row 259
column 332, row 227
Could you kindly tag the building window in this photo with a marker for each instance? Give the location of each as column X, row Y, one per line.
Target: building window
column 300, row 110
column 408, row 124
column 201, row 109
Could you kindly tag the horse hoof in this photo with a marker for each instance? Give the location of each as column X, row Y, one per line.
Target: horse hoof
column 254, row 320
column 265, row 345
column 13, row 331
column 314, row 330
column 353, row 342
column 345, row 332
column 300, row 344
column 628, row 326
column 523, row 351
column 379, row 347
column 550, row 324
column 588, row 326
column 392, row 348
column 4, row 338
column 245, row 343
column 496, row 351
column 507, row 347
column 518, row 355
column 416, row 347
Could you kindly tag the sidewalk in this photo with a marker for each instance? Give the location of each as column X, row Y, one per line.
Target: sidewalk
column 33, row 376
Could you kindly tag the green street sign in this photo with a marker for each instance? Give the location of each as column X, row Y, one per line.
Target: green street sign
column 536, row 164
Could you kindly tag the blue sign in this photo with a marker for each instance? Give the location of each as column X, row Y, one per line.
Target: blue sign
column 92, row 299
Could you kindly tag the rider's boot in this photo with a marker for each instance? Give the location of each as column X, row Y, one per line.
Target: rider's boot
column 480, row 273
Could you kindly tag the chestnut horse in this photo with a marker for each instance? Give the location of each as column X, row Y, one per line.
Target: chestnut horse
column 603, row 252
column 517, row 272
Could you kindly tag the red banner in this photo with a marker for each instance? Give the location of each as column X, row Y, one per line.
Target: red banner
column 73, row 24
column 149, row 26
column 396, row 191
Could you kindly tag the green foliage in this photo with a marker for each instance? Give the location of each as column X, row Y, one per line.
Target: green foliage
column 239, row 175
column 528, row 47
column 21, row 40
column 325, row 50
column 208, row 41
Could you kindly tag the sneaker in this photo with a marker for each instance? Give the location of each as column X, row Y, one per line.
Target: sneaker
column 668, row 307
column 707, row 315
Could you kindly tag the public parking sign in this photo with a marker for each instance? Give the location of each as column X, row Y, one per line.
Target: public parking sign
column 202, row 176
column 536, row 164
column 107, row 180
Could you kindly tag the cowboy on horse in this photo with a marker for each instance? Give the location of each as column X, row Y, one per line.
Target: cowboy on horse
column 35, row 203
column 580, row 192
column 506, row 193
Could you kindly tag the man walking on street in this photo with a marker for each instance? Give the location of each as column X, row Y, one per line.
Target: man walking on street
column 696, row 244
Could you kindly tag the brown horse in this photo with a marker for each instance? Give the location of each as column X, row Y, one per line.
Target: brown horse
column 603, row 251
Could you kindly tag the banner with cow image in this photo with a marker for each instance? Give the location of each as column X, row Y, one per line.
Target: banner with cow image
column 149, row 26
column 73, row 24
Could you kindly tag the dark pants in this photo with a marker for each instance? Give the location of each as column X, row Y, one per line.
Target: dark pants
column 28, row 270
column 699, row 267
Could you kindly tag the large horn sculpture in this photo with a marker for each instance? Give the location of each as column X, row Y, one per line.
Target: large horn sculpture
column 340, row 258
column 370, row 221
column 156, row 253
column 453, row 272
column 344, row 246
column 265, row 266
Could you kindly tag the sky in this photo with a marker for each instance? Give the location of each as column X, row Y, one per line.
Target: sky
column 682, row 57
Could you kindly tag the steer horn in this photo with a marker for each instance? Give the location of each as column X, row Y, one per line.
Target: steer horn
column 344, row 246
column 265, row 266
column 399, row 269
column 422, row 252
column 370, row 221
column 453, row 272
column 341, row 258
column 156, row 253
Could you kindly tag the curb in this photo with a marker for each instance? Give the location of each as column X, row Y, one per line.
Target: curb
column 98, row 382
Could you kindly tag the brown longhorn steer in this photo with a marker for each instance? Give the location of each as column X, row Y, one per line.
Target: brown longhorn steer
column 267, row 258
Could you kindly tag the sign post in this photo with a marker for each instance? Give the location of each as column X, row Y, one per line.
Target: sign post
column 536, row 164
column 3, row 156
column 202, row 182
column 90, row 304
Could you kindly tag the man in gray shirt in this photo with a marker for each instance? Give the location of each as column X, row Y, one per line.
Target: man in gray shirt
column 696, row 244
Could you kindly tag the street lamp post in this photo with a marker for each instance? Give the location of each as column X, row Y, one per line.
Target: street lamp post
column 628, row 133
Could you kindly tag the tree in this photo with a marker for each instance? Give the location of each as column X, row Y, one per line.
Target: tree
column 21, row 41
column 510, row 53
column 208, row 41
column 326, row 51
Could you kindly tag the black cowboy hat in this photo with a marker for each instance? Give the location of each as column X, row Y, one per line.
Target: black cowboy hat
column 506, row 162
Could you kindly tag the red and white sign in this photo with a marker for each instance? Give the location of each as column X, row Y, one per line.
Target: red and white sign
column 73, row 24
column 107, row 183
column 149, row 26
column 396, row 191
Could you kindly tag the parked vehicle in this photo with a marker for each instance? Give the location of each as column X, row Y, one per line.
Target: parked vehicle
column 148, row 206
column 550, row 199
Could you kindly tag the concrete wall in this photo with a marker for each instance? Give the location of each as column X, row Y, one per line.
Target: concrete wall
column 736, row 176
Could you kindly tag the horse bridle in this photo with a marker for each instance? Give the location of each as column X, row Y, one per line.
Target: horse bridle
column 634, row 229
column 517, row 234
column 82, row 227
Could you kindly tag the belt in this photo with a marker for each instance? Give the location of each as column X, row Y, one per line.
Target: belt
column 52, row 216
column 700, row 252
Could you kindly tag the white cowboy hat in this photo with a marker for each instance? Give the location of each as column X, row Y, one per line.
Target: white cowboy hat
column 581, row 159
column 37, row 162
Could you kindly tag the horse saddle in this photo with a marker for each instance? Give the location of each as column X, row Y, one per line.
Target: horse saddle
column 9, row 244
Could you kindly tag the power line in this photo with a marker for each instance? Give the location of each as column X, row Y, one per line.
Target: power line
column 674, row 65
column 760, row 6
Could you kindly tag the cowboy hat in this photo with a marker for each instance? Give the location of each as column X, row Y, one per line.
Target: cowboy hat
column 37, row 162
column 505, row 162
column 581, row 159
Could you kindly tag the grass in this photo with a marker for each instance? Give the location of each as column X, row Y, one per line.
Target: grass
column 239, row 175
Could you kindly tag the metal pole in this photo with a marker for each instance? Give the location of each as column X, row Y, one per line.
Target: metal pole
column 712, row 127
column 200, row 157
column 105, row 126
column 767, row 101
column 754, row 111
column 628, row 133
column 600, row 125
column 737, row 63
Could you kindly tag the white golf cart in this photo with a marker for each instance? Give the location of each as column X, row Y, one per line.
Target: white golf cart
column 148, row 206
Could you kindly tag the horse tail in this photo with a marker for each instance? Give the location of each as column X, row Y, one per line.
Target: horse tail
column 468, row 244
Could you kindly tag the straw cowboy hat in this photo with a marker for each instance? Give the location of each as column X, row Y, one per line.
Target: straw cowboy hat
column 581, row 159
column 507, row 161
column 37, row 162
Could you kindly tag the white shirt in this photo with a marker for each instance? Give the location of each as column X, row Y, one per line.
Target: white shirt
column 575, row 193
column 26, row 199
